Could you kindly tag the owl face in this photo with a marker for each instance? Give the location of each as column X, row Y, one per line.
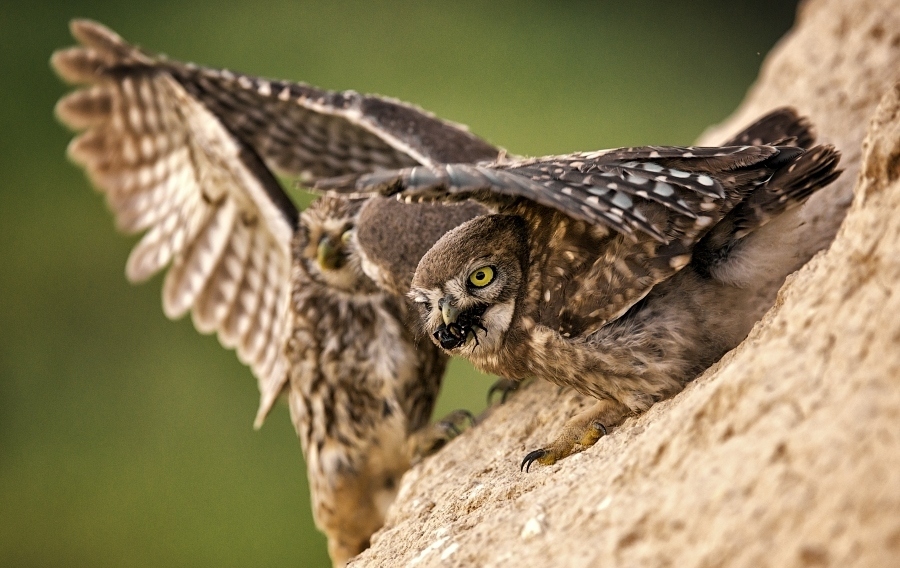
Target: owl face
column 328, row 251
column 467, row 286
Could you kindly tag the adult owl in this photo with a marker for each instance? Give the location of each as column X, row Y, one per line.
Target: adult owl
column 186, row 155
column 620, row 273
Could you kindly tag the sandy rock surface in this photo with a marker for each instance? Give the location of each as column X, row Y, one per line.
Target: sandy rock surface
column 787, row 451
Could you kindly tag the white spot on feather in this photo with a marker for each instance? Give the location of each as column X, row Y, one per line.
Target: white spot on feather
column 622, row 200
column 663, row 189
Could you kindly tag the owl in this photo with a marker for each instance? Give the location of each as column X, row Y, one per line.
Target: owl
column 312, row 302
column 620, row 273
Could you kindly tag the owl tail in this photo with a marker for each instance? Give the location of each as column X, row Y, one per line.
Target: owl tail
column 781, row 127
column 788, row 187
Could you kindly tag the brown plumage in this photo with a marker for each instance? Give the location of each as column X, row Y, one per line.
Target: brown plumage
column 185, row 154
column 620, row 273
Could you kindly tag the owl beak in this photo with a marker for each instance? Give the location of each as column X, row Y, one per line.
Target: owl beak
column 329, row 255
column 449, row 312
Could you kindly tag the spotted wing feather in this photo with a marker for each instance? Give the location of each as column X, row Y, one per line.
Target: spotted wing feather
column 314, row 133
column 782, row 126
column 628, row 190
column 208, row 206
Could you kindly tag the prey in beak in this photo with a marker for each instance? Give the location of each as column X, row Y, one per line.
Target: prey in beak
column 458, row 325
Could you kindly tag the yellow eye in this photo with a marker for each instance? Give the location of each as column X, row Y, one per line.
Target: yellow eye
column 482, row 277
column 345, row 237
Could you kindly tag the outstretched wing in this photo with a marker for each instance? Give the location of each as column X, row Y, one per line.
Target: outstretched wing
column 185, row 153
column 297, row 129
column 609, row 187
column 664, row 192
column 314, row 133
column 649, row 207
column 207, row 203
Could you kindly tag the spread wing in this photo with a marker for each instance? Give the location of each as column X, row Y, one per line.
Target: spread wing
column 664, row 192
column 612, row 188
column 186, row 154
column 316, row 134
column 634, row 215
column 205, row 201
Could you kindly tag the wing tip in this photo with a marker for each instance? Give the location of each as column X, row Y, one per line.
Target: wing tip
column 84, row 108
column 69, row 64
column 267, row 398
column 91, row 33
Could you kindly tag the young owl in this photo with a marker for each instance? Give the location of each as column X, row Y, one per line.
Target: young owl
column 620, row 273
column 185, row 154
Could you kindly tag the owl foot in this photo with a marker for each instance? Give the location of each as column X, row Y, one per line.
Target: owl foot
column 580, row 432
column 564, row 446
column 432, row 438
column 503, row 386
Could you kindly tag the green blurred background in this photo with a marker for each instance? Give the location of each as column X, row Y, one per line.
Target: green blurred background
column 126, row 439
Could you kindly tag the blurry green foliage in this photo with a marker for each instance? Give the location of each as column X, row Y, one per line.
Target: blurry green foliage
column 126, row 439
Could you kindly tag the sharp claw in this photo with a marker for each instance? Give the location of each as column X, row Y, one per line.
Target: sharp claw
column 449, row 423
column 531, row 458
column 471, row 418
column 504, row 387
column 494, row 388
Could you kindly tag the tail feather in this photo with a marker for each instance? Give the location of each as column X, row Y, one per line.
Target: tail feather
column 789, row 187
column 781, row 127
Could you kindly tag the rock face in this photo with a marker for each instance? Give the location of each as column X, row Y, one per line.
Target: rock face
column 784, row 453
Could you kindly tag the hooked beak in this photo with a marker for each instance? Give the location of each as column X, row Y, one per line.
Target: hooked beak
column 450, row 335
column 449, row 312
column 329, row 255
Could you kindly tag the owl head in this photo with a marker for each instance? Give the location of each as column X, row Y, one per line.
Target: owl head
column 468, row 285
column 326, row 245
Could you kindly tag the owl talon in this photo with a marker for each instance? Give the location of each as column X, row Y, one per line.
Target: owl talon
column 453, row 423
column 581, row 432
column 592, row 434
column 540, row 456
column 504, row 387
column 430, row 439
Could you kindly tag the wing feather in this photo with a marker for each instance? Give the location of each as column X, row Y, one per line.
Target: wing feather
column 619, row 189
column 315, row 133
column 185, row 154
column 210, row 209
column 220, row 293
column 191, row 270
column 239, row 319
